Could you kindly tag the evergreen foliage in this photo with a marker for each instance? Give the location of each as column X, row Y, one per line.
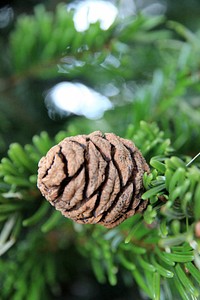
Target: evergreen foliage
column 155, row 65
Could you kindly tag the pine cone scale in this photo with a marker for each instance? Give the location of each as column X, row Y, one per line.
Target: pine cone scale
column 121, row 158
column 48, row 183
column 120, row 205
column 109, row 191
column 94, row 179
column 74, row 152
column 83, row 210
column 101, row 144
column 96, row 169
column 73, row 191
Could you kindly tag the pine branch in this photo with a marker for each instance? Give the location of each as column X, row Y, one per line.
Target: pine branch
column 82, row 57
column 51, row 38
column 153, row 248
column 159, row 250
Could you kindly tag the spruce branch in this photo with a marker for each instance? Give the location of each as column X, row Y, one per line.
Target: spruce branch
column 50, row 39
column 155, row 247
column 158, row 249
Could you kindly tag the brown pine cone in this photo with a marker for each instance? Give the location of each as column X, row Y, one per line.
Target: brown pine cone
column 94, row 178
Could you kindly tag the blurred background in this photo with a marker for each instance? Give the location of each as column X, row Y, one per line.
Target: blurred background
column 80, row 66
column 63, row 81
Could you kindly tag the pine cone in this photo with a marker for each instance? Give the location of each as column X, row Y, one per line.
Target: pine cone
column 94, row 178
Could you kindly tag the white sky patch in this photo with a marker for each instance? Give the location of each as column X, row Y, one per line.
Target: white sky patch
column 88, row 12
column 76, row 98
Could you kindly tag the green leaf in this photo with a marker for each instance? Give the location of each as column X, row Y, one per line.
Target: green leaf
column 161, row 270
column 177, row 179
column 6, row 246
column 8, row 227
column 40, row 146
column 147, row 178
column 11, row 208
column 6, row 168
column 149, row 214
column 182, row 257
column 197, row 203
column 168, row 176
column 17, row 181
column 186, row 281
column 181, row 289
column 17, row 152
column 135, row 225
column 140, row 281
column 144, row 264
column 173, row 240
column 164, row 258
column 52, row 222
column 193, row 271
column 156, row 286
column 155, row 163
column 37, row 216
column 153, row 191
column 133, row 248
column 111, row 271
column 183, row 31
column 98, row 270
column 164, row 228
column 126, row 263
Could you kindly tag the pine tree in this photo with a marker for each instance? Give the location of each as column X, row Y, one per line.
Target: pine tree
column 157, row 74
